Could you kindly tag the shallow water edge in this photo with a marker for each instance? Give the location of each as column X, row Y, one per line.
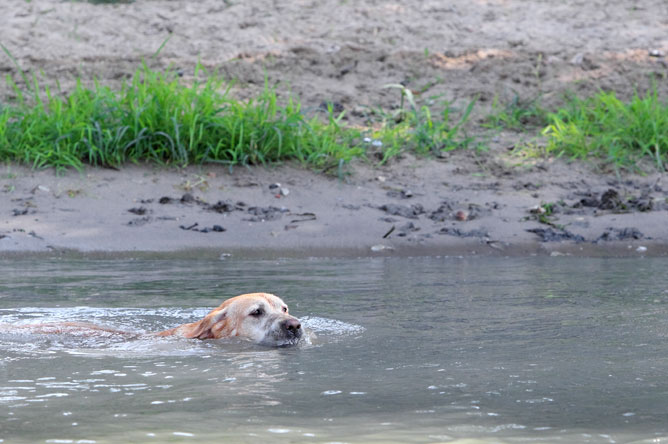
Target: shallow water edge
column 460, row 249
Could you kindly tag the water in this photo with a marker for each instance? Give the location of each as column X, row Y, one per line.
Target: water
column 407, row 350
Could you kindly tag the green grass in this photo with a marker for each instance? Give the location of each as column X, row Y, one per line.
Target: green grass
column 605, row 127
column 155, row 117
column 517, row 115
column 416, row 127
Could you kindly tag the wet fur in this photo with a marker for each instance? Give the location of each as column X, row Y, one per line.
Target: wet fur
column 233, row 318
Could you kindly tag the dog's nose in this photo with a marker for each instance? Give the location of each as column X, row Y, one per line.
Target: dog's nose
column 293, row 327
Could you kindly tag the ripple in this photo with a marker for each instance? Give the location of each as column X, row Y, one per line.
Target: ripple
column 138, row 321
column 330, row 326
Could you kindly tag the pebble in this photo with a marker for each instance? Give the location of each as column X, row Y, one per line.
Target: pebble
column 381, row 247
column 641, row 249
column 537, row 209
column 461, row 215
column 577, row 59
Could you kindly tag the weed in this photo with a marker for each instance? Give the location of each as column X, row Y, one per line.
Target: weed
column 517, row 114
column 545, row 213
column 414, row 127
column 605, row 127
column 153, row 117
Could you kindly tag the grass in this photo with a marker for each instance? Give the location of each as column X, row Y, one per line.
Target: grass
column 605, row 127
column 517, row 115
column 415, row 127
column 155, row 117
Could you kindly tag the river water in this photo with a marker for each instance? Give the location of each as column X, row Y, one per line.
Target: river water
column 402, row 350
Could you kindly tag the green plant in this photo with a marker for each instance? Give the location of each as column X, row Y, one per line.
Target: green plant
column 415, row 127
column 155, row 117
column 605, row 127
column 517, row 114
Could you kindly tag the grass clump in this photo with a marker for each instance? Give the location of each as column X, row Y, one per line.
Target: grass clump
column 154, row 117
column 417, row 128
column 517, row 114
column 605, row 127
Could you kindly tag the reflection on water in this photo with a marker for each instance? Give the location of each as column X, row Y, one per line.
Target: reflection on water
column 405, row 350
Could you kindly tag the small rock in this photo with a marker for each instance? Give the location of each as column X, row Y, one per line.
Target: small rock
column 641, row 249
column 537, row 209
column 274, row 186
column 655, row 53
column 381, row 247
column 140, row 211
column 187, row 198
column 577, row 59
column 377, row 143
column 218, row 228
column 285, row 191
column 461, row 215
column 380, row 179
column 224, row 256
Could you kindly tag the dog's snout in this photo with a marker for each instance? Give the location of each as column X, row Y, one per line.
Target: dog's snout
column 293, row 327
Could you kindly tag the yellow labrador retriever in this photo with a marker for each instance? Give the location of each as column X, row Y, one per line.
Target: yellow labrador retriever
column 260, row 317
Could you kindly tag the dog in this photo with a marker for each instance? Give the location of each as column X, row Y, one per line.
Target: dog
column 259, row 317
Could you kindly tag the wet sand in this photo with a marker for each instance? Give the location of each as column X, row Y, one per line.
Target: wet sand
column 414, row 207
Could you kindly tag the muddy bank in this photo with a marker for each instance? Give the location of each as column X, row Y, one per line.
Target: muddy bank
column 415, row 206
column 329, row 51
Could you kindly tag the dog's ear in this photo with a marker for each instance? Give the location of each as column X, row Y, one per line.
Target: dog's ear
column 204, row 329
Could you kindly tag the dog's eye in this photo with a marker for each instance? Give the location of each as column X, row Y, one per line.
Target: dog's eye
column 285, row 309
column 257, row 312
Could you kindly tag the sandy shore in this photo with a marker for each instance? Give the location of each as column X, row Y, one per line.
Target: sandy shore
column 344, row 52
column 416, row 206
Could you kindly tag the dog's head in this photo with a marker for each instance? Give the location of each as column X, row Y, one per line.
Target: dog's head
column 260, row 317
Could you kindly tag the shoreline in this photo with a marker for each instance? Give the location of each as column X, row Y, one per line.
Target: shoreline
column 616, row 251
column 413, row 207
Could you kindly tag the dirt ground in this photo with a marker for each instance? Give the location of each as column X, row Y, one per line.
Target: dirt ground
column 345, row 52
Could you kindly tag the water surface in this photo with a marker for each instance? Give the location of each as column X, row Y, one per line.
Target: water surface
column 407, row 350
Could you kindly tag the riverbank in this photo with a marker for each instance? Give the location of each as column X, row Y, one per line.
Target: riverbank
column 460, row 205
column 500, row 196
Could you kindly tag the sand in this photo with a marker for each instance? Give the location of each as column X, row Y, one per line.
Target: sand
column 344, row 52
